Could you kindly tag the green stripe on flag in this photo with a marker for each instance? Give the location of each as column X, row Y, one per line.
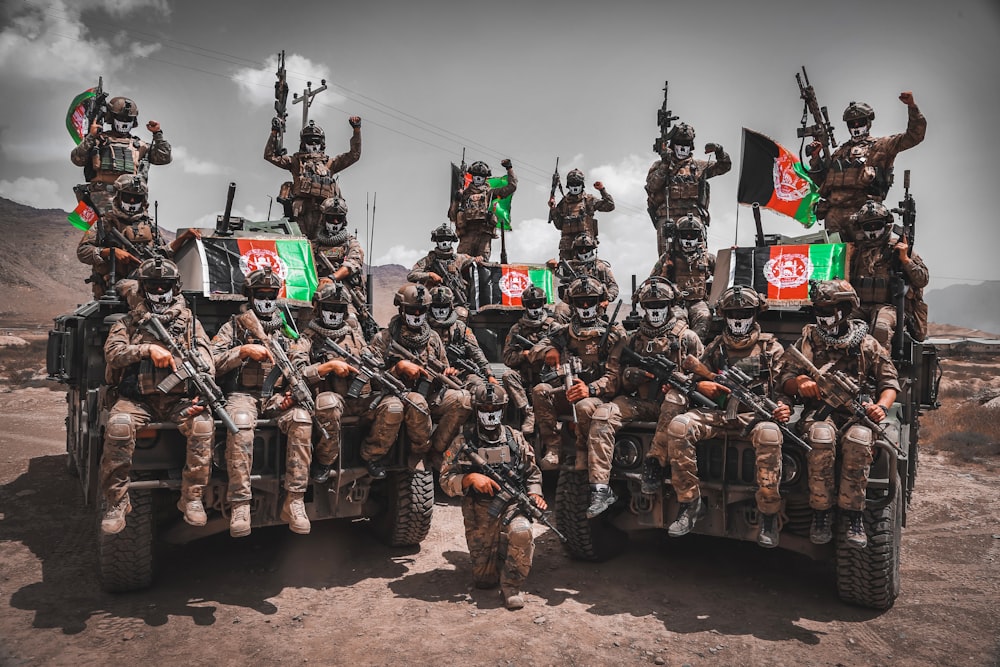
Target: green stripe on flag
column 828, row 260
column 806, row 212
column 501, row 207
column 542, row 278
column 76, row 116
column 301, row 282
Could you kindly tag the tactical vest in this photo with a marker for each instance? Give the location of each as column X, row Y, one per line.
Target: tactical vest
column 683, row 183
column 249, row 376
column 115, row 156
column 335, row 254
column 140, row 232
column 476, row 205
column 314, row 179
column 667, row 345
column 756, row 364
column 516, row 464
column 691, row 276
column 577, row 217
column 320, row 353
column 141, row 379
column 851, row 170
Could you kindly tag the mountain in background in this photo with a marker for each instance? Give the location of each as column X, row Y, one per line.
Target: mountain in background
column 971, row 306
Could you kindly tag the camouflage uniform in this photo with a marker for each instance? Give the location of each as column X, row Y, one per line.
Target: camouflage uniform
column 523, row 374
column 692, row 274
column 450, row 267
column 313, row 178
column 678, row 187
column 873, row 269
column 108, row 154
column 600, row 372
column 138, row 229
column 868, row 363
column 574, row 214
column 501, row 547
column 599, row 269
column 383, row 411
column 460, row 343
column 243, row 380
column 472, row 213
column 448, row 407
column 139, row 402
column 758, row 357
column 861, row 169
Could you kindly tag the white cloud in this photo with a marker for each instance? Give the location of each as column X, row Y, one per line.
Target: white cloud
column 256, row 86
column 533, row 242
column 399, row 254
column 192, row 165
column 52, row 37
column 36, row 192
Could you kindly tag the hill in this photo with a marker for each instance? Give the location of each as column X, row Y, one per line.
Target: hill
column 970, row 306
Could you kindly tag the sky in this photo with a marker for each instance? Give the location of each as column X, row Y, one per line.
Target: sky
column 529, row 81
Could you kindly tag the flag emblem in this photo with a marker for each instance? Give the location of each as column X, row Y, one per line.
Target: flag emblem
column 513, row 283
column 788, row 185
column 788, row 270
column 258, row 258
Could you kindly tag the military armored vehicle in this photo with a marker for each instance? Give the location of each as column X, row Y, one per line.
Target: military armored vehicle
column 398, row 508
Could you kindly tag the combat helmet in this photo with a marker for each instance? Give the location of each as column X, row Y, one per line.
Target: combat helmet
column 480, row 168
column 533, row 299
column 442, row 305
column 262, row 287
column 330, row 304
column 160, row 283
column 585, row 296
column 690, row 233
column 413, row 301
column 832, row 301
column 740, row 306
column 574, row 181
column 122, row 114
column 312, row 134
column 334, row 212
column 585, row 247
column 657, row 296
column 130, row 194
column 444, row 238
column 489, row 401
column 859, row 117
column 872, row 223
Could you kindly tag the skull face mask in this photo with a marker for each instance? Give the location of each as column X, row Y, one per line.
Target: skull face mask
column 739, row 322
column 314, row 148
column 264, row 302
column 122, row 126
column 586, row 254
column 333, row 316
column 478, row 180
column 574, row 189
column 829, row 319
column 682, row 151
column 440, row 313
column 415, row 317
column 159, row 295
column 657, row 313
column 444, row 247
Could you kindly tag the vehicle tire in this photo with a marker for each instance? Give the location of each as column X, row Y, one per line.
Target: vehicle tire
column 869, row 577
column 126, row 559
column 408, row 504
column 586, row 539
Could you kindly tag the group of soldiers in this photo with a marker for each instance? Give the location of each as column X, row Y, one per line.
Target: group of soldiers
column 426, row 370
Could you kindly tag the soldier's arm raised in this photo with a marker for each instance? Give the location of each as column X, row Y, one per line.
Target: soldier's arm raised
column 353, row 154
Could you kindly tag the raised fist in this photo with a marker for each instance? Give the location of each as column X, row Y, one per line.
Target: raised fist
column 506, row 163
column 711, row 148
column 906, row 97
column 154, row 126
column 355, row 121
column 598, row 185
column 813, row 148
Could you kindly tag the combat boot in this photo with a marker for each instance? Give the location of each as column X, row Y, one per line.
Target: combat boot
column 819, row 531
column 294, row 514
column 239, row 520
column 528, row 425
column 113, row 521
column 319, row 473
column 768, row 535
column 856, row 535
column 686, row 518
column 375, row 469
column 194, row 511
column 513, row 598
column 652, row 476
column 601, row 498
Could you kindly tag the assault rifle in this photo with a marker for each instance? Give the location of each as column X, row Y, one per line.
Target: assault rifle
column 457, row 359
column 434, row 368
column 370, row 369
column 665, row 372
column 510, row 490
column 281, row 103
column 664, row 119
column 193, row 369
column 837, row 389
column 907, row 211
column 821, row 130
column 737, row 381
column 633, row 319
column 282, row 366
column 108, row 237
column 556, row 183
column 452, row 281
column 607, row 329
column 548, row 374
column 369, row 327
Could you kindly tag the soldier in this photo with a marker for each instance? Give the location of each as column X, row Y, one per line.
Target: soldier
column 497, row 531
column 677, row 184
column 313, row 171
column 137, row 362
column 574, row 214
column 861, row 168
column 460, row 344
column 584, row 262
column 129, row 216
column 243, row 362
column 107, row 154
column 339, row 254
column 597, row 381
column 535, row 324
column 330, row 374
column 690, row 266
column 878, row 258
column 449, row 407
column 742, row 345
column 443, row 266
column 472, row 209
column 837, row 343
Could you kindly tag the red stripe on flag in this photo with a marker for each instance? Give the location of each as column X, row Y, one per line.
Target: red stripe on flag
column 258, row 253
column 787, row 272
column 513, row 281
column 786, row 180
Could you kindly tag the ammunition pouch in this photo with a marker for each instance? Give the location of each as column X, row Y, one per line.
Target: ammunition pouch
column 128, row 385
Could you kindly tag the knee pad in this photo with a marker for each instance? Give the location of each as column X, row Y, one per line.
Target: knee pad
column 202, row 425
column 606, row 412
column 329, row 401
column 519, row 532
column 882, row 332
column 678, row 426
column 822, row 435
column 674, row 397
column 243, row 419
column 859, row 435
column 301, row 416
column 120, row 427
column 766, row 434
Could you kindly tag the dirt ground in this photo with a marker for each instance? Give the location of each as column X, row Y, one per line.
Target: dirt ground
column 338, row 596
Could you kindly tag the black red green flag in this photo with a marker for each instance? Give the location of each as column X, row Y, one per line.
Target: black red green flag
column 781, row 273
column 773, row 177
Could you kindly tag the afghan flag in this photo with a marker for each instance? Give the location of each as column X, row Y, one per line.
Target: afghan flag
column 774, row 178
column 781, row 273
column 83, row 217
column 501, row 207
column 221, row 264
column 76, row 117
column 503, row 285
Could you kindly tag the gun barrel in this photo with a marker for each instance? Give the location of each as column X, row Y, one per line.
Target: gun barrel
column 222, row 226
